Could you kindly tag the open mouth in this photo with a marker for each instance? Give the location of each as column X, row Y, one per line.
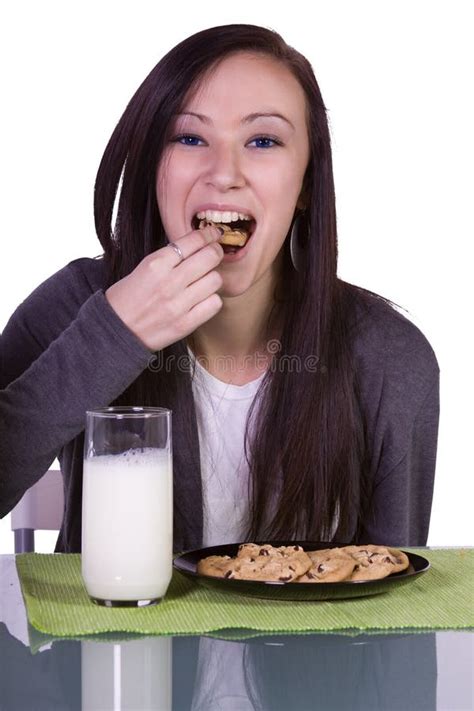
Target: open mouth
column 236, row 232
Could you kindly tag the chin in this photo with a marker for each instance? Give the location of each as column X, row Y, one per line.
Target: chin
column 231, row 289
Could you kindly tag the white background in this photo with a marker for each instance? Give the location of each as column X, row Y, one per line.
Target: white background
column 396, row 78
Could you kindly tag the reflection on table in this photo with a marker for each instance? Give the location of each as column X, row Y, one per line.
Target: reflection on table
column 132, row 675
column 379, row 671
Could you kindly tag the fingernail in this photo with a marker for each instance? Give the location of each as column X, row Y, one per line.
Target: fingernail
column 221, row 229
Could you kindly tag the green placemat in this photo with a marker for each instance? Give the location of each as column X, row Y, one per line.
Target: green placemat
column 57, row 603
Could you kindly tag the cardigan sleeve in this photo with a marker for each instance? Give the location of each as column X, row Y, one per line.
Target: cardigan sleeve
column 398, row 378
column 402, row 497
column 63, row 351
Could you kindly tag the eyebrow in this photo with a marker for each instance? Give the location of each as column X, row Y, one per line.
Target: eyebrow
column 246, row 119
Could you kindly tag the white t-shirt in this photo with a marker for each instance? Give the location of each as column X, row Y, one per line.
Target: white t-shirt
column 221, row 411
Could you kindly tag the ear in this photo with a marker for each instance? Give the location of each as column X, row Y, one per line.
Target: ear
column 302, row 202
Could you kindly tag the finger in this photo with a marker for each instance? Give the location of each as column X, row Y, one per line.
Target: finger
column 197, row 265
column 201, row 313
column 201, row 289
column 189, row 244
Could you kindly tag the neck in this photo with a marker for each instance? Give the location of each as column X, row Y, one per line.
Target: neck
column 239, row 330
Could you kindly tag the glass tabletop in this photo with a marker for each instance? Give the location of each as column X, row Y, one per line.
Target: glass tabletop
column 380, row 671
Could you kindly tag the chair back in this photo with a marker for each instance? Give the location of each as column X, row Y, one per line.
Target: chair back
column 40, row 508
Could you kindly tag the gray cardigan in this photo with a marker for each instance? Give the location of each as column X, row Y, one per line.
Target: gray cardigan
column 65, row 351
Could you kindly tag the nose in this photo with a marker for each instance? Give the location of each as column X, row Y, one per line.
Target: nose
column 224, row 170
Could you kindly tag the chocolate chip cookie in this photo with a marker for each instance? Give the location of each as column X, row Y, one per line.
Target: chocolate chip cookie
column 374, row 562
column 254, row 550
column 330, row 565
column 215, row 565
column 255, row 562
column 292, row 564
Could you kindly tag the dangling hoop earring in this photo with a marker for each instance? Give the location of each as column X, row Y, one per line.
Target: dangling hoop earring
column 296, row 251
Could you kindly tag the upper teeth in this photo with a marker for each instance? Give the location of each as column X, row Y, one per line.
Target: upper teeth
column 217, row 216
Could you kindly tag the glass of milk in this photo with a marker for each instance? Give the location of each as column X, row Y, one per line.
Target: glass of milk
column 127, row 505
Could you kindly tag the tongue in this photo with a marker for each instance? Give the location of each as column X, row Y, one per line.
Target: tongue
column 230, row 248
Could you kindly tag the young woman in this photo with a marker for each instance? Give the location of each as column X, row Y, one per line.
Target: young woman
column 303, row 406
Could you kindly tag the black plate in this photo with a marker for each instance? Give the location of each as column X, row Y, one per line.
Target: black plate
column 186, row 563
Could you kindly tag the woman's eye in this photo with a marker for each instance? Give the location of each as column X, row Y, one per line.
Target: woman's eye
column 265, row 142
column 187, row 140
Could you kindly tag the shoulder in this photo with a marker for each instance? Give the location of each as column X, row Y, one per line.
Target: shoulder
column 90, row 270
column 53, row 304
column 74, row 283
column 389, row 349
column 381, row 332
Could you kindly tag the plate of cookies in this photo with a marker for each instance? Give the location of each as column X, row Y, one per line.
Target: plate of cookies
column 301, row 570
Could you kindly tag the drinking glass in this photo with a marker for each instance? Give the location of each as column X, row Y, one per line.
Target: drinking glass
column 127, row 505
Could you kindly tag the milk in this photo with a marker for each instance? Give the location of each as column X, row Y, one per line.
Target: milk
column 127, row 525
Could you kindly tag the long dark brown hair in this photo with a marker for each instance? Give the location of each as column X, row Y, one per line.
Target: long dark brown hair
column 307, row 449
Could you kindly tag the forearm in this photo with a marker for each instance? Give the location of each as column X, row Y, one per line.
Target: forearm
column 90, row 364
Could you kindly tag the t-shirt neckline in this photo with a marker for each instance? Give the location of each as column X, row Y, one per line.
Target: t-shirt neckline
column 204, row 378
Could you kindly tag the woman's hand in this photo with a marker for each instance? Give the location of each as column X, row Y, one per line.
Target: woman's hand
column 164, row 299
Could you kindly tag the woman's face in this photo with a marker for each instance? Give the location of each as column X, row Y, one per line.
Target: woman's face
column 241, row 144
